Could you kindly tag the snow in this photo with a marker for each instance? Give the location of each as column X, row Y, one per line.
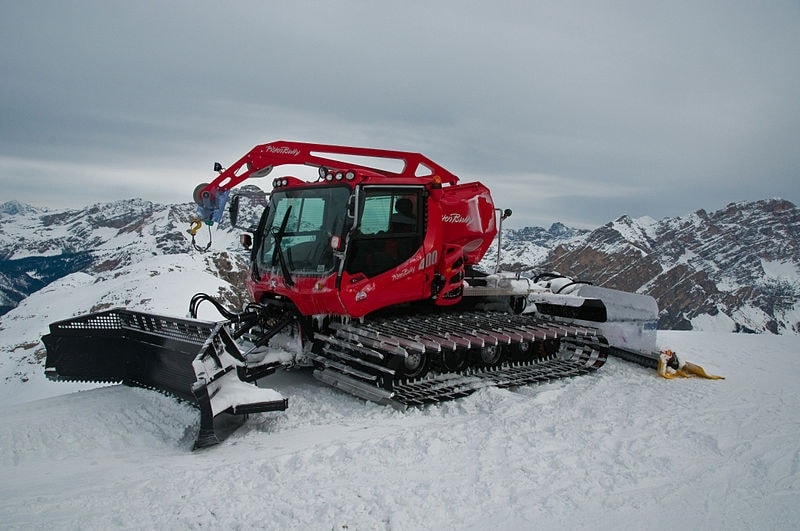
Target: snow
column 780, row 270
column 714, row 323
column 639, row 231
column 618, row 448
column 230, row 392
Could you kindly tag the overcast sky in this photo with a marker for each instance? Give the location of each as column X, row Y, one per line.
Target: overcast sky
column 569, row 111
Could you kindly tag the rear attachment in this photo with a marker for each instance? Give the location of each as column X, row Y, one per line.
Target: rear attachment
column 464, row 352
column 193, row 360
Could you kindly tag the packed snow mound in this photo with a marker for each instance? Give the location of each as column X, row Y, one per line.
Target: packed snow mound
column 618, row 448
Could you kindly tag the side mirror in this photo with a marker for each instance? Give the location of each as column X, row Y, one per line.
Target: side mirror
column 246, row 240
column 233, row 210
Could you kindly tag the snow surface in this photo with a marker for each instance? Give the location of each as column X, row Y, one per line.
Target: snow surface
column 780, row 270
column 620, row 448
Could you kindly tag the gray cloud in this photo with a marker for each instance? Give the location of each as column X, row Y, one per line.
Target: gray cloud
column 569, row 112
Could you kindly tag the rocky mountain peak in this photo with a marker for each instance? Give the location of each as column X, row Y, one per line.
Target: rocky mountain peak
column 15, row 208
column 736, row 268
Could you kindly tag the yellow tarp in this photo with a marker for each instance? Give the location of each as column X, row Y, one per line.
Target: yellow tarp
column 669, row 366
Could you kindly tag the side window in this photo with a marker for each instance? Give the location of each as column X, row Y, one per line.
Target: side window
column 394, row 212
column 375, row 216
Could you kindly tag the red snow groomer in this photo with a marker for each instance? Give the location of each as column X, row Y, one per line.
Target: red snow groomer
column 372, row 267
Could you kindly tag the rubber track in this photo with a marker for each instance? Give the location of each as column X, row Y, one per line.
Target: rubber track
column 356, row 356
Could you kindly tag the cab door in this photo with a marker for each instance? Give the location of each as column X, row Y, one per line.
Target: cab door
column 385, row 248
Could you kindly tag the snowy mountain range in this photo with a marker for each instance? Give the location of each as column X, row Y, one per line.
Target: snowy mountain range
column 736, row 269
column 38, row 246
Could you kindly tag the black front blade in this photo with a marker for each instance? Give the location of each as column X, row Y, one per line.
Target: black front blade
column 190, row 359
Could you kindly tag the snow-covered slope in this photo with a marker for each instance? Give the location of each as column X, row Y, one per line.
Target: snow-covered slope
column 620, row 448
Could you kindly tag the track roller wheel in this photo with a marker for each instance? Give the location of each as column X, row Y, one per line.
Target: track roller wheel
column 415, row 365
column 452, row 361
column 549, row 347
column 523, row 351
column 488, row 356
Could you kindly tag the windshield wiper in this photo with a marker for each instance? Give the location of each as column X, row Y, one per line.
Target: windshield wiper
column 278, row 252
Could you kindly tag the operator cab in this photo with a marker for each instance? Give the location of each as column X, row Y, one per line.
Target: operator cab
column 304, row 229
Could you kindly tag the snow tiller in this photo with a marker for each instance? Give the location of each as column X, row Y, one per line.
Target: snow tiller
column 371, row 265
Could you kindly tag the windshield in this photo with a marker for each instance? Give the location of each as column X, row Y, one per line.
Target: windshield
column 302, row 222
